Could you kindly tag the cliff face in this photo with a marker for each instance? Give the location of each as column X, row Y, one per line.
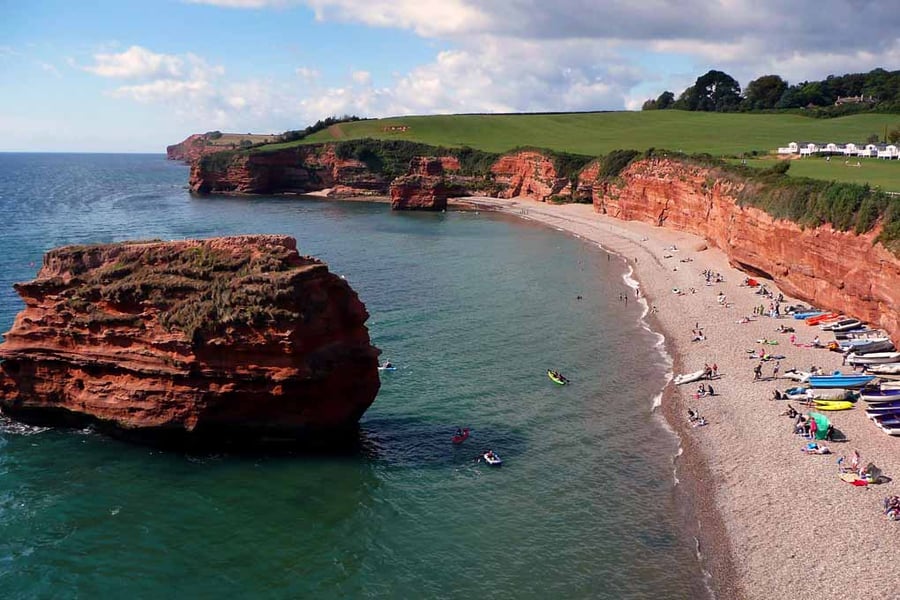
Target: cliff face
column 192, row 148
column 529, row 174
column 311, row 168
column 301, row 169
column 227, row 338
column 831, row 269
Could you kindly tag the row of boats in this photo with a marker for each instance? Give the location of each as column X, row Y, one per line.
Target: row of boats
column 870, row 350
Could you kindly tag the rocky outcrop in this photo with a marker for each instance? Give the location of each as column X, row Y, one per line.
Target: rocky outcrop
column 529, row 174
column 424, row 187
column 831, row 269
column 235, row 338
column 192, row 148
column 298, row 170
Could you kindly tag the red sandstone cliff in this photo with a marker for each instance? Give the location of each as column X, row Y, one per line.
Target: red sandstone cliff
column 192, row 148
column 199, row 339
column 424, row 186
column 831, row 269
column 529, row 174
column 301, row 169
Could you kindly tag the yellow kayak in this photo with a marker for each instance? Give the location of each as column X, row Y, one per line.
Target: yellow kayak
column 556, row 377
column 833, row 405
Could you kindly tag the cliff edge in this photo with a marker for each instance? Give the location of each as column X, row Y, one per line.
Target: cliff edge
column 236, row 338
column 837, row 270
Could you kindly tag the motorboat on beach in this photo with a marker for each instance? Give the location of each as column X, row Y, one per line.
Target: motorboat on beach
column 885, row 369
column 829, row 394
column 840, row 380
column 880, row 395
column 856, row 334
column 867, row 346
column 689, row 377
column 873, row 358
column 842, row 325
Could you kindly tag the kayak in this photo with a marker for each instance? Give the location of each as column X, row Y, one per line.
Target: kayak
column 833, row 405
column 494, row 460
column 821, row 318
column 557, row 378
column 459, row 439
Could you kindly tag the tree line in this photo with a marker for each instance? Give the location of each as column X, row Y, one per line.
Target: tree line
column 717, row 91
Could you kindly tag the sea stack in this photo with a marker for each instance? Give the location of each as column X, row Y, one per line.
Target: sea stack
column 220, row 340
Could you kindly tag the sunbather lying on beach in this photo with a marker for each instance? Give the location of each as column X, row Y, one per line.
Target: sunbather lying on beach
column 814, row 448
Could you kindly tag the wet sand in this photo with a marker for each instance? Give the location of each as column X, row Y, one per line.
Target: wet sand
column 771, row 521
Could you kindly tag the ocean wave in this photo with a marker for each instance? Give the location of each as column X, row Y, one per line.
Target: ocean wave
column 7, row 425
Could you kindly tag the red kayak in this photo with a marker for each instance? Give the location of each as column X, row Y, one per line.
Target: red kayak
column 459, row 439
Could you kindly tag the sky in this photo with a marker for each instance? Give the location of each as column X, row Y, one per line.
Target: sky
column 135, row 75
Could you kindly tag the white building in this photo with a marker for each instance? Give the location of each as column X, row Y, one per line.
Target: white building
column 792, row 148
column 888, row 152
column 809, row 149
column 850, row 150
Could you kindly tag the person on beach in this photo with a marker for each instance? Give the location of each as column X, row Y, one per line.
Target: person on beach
column 813, row 427
column 776, row 369
column 757, row 372
column 715, row 370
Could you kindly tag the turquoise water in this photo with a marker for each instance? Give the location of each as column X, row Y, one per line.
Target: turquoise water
column 473, row 308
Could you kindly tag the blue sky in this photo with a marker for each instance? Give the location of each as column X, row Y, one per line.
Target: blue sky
column 134, row 76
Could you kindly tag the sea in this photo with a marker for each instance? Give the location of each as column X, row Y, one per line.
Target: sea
column 472, row 308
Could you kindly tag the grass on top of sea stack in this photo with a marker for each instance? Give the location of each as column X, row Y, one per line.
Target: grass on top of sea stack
column 595, row 134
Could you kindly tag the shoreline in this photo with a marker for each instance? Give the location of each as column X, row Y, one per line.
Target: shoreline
column 769, row 520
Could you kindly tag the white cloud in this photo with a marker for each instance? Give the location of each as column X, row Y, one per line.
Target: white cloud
column 136, row 62
column 361, row 77
column 163, row 90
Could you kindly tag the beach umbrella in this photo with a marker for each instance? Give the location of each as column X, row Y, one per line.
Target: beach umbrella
column 822, row 424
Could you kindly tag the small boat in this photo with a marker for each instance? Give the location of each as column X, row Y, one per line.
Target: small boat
column 872, row 346
column 459, row 438
column 819, row 319
column 830, row 394
column 689, row 377
column 492, row 459
column 881, row 395
column 833, row 405
column 808, row 314
column 387, row 366
column 879, row 410
column 874, row 358
column 556, row 377
column 840, row 380
column 799, row 376
column 854, row 334
column 885, row 369
column 842, row 325
column 887, row 420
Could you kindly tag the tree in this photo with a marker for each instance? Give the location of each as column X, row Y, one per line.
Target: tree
column 665, row 100
column 713, row 91
column 893, row 135
column 649, row 104
column 764, row 92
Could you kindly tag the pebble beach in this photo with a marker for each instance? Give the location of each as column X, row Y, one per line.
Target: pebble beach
column 770, row 520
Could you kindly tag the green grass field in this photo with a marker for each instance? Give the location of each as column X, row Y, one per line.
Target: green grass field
column 883, row 174
column 597, row 133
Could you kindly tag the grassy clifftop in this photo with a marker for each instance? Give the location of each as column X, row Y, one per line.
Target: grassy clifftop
column 594, row 134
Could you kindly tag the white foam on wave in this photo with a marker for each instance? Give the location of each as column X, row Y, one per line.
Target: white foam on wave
column 7, row 425
column 660, row 345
